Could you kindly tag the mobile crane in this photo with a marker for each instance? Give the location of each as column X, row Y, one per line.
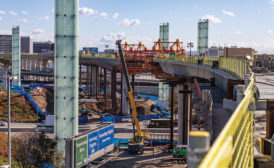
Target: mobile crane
column 136, row 144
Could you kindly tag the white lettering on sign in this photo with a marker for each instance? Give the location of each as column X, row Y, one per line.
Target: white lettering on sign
column 93, row 139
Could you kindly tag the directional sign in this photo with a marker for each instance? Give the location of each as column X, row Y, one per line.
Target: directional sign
column 92, row 144
column 81, row 151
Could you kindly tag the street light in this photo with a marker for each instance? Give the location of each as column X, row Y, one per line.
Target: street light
column 190, row 45
column 9, row 127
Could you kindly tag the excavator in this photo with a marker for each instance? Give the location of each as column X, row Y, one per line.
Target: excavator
column 136, row 144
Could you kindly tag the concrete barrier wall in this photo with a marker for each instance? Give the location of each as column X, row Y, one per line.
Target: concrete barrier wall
column 201, row 71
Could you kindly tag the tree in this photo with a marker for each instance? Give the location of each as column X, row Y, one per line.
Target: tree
column 32, row 150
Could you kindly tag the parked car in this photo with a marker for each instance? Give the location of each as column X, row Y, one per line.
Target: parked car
column 3, row 123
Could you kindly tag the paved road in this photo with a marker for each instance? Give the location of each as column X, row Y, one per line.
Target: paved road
column 122, row 130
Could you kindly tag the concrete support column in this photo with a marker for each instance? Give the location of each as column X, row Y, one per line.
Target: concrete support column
column 125, row 100
column 171, row 116
column 16, row 56
column 184, row 111
column 66, row 71
column 163, row 94
column 105, row 87
column 113, row 90
column 93, row 80
column 180, row 114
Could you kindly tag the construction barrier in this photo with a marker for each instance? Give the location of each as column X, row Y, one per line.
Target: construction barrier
column 234, row 146
column 163, row 112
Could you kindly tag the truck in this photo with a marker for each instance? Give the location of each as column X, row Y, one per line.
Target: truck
column 48, row 122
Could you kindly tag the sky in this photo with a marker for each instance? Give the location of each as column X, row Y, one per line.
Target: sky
column 242, row 23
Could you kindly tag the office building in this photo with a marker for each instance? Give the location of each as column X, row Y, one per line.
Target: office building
column 238, row 52
column 109, row 51
column 88, row 50
column 6, row 44
column 43, row 47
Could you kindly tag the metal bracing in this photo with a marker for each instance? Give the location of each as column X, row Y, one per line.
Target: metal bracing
column 66, row 72
column 16, row 56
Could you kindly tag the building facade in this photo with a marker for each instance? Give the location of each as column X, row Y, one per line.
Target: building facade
column 43, row 47
column 238, row 52
column 6, row 44
column 88, row 50
column 26, row 44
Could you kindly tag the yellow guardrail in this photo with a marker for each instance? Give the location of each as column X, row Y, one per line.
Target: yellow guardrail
column 234, row 145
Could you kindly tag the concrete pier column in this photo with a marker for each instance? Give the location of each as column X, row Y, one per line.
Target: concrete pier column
column 163, row 94
column 113, row 90
column 180, row 114
column 66, row 71
column 93, row 80
column 16, row 56
column 125, row 100
column 184, row 111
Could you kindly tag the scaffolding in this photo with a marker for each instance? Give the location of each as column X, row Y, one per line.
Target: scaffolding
column 16, row 56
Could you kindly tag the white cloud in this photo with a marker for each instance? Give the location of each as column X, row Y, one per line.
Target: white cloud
column 132, row 22
column 38, row 31
column 2, row 12
column 5, row 32
column 13, row 13
column 104, row 15
column 1, row 18
column 115, row 15
column 24, row 20
column 212, row 18
column 270, row 32
column 24, row 12
column 238, row 32
column 87, row 11
column 112, row 37
column 271, row 1
column 44, row 18
column 228, row 13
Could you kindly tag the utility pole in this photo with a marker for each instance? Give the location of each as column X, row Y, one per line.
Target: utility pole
column 9, row 144
column 190, row 45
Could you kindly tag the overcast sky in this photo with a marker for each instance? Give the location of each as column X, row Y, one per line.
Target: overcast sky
column 245, row 23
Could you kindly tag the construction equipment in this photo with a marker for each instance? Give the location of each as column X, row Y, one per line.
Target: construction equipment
column 136, row 144
column 180, row 151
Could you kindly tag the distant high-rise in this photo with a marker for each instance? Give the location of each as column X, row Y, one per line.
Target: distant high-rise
column 6, row 44
column 26, row 44
column 43, row 47
column 202, row 36
column 164, row 34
